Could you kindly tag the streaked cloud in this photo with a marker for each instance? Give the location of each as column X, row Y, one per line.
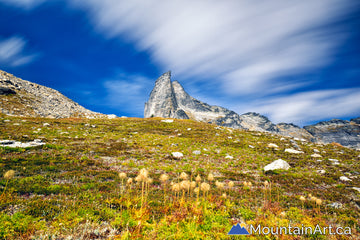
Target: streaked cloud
column 305, row 107
column 13, row 52
column 232, row 53
column 246, row 46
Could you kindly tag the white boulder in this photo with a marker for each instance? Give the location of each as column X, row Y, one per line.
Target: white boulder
column 272, row 145
column 167, row 120
column 197, row 152
column 316, row 155
column 177, row 154
column 345, row 179
column 290, row 150
column 278, row 164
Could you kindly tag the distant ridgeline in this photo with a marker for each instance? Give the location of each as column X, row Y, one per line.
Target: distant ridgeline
column 23, row 98
column 169, row 100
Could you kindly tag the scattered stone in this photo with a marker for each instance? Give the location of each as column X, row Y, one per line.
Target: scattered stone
column 16, row 144
column 229, row 157
column 189, row 129
column 356, row 188
column 317, row 151
column 334, row 161
column 6, row 120
column 294, row 144
column 278, row 164
column 167, row 121
column 251, row 146
column 345, row 179
column 177, row 154
column 16, row 124
column 197, row 152
column 335, row 205
column 46, row 124
column 290, row 150
column 322, row 171
column 315, row 155
column 272, row 145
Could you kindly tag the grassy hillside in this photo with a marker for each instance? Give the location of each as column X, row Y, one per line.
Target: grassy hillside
column 71, row 186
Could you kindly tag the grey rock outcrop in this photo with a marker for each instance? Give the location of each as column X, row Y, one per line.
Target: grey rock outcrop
column 169, row 100
column 23, row 98
column 256, row 122
column 347, row 133
column 291, row 130
column 6, row 91
column 162, row 101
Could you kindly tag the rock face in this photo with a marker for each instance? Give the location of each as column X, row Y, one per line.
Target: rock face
column 347, row 133
column 23, row 98
column 162, row 101
column 169, row 100
column 291, row 130
column 257, row 122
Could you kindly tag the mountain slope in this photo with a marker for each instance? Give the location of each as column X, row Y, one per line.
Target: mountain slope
column 347, row 133
column 23, row 98
column 70, row 187
column 169, row 100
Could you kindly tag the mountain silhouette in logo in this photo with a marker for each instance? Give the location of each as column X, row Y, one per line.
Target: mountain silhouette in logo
column 238, row 230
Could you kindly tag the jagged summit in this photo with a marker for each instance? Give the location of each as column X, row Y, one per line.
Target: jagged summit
column 23, row 98
column 162, row 101
column 170, row 100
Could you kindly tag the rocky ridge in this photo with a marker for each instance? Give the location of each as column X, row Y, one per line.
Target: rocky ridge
column 168, row 99
column 347, row 133
column 23, row 98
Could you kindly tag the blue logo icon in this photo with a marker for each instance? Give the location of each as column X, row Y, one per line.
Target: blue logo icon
column 238, row 230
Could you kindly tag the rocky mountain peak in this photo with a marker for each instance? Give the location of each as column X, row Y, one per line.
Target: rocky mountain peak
column 170, row 100
column 162, row 101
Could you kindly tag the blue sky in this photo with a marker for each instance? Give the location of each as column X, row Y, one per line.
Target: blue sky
column 293, row 61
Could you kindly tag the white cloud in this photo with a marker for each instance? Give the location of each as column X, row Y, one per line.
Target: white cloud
column 25, row 4
column 305, row 107
column 12, row 52
column 127, row 92
column 244, row 45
